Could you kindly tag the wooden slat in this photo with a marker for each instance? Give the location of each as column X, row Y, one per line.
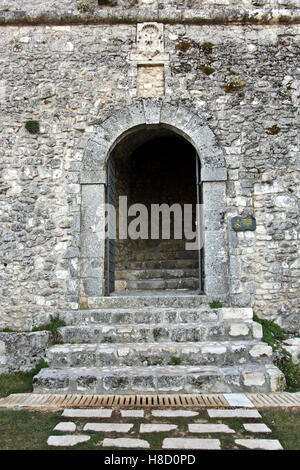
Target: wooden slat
column 77, row 400
column 56, row 401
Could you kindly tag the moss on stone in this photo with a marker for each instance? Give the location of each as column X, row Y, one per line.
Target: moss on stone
column 233, row 83
column 183, row 46
column 273, row 130
column 207, row 46
column 33, row 127
column 83, row 7
column 207, row 70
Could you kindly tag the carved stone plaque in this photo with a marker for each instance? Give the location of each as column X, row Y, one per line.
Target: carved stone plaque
column 150, row 39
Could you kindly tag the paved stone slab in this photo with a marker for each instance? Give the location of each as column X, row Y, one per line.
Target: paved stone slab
column 157, row 427
column 87, row 413
column 210, row 428
column 126, row 442
column 67, row 441
column 108, row 427
column 132, row 413
column 174, row 413
column 264, row 444
column 239, row 400
column 256, row 427
column 67, row 426
column 192, row 443
column 233, row 414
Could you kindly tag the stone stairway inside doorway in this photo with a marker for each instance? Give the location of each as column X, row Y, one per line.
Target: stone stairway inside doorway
column 165, row 265
column 159, row 344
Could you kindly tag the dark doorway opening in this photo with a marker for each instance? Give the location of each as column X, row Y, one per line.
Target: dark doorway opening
column 154, row 167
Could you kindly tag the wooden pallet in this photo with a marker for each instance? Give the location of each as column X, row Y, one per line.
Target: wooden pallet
column 33, row 400
column 56, row 401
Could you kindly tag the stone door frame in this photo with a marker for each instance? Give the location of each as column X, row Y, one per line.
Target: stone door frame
column 104, row 137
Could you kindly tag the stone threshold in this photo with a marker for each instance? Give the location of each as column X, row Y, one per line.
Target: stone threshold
column 229, row 401
column 201, row 16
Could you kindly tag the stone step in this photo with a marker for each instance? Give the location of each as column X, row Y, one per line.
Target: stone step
column 162, row 246
column 155, row 298
column 154, row 379
column 160, row 264
column 149, row 255
column 167, row 315
column 150, row 284
column 223, row 353
column 160, row 332
column 154, row 274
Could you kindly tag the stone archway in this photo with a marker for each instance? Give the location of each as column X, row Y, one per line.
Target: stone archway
column 104, row 137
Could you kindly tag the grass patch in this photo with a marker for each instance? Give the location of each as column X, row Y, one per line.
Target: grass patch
column 29, row 430
column 273, row 335
column 25, row 430
column 19, row 382
column 175, row 361
column 33, row 127
column 84, row 7
column 52, row 326
column 285, row 425
column 215, row 304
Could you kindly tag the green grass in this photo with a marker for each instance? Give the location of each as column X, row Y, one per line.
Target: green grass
column 175, row 361
column 215, row 304
column 29, row 430
column 285, row 426
column 273, row 335
column 25, row 430
column 33, row 127
column 19, row 382
column 52, row 326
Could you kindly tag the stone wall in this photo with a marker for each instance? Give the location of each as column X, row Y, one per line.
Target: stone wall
column 242, row 80
column 22, row 351
column 48, row 5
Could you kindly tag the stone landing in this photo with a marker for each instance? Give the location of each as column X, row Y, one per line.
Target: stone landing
column 170, row 344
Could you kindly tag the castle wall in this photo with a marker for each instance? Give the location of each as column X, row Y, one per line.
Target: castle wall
column 240, row 79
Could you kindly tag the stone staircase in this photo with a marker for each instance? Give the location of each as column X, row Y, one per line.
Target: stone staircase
column 165, row 266
column 159, row 344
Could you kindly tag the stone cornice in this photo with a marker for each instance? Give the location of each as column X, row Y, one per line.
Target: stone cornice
column 205, row 16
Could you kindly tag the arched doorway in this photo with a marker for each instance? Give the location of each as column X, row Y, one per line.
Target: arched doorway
column 104, row 137
column 154, row 186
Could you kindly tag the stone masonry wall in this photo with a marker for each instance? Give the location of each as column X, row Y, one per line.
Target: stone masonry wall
column 22, row 351
column 22, row 5
column 65, row 77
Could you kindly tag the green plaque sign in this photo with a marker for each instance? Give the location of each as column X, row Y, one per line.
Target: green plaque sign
column 240, row 224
